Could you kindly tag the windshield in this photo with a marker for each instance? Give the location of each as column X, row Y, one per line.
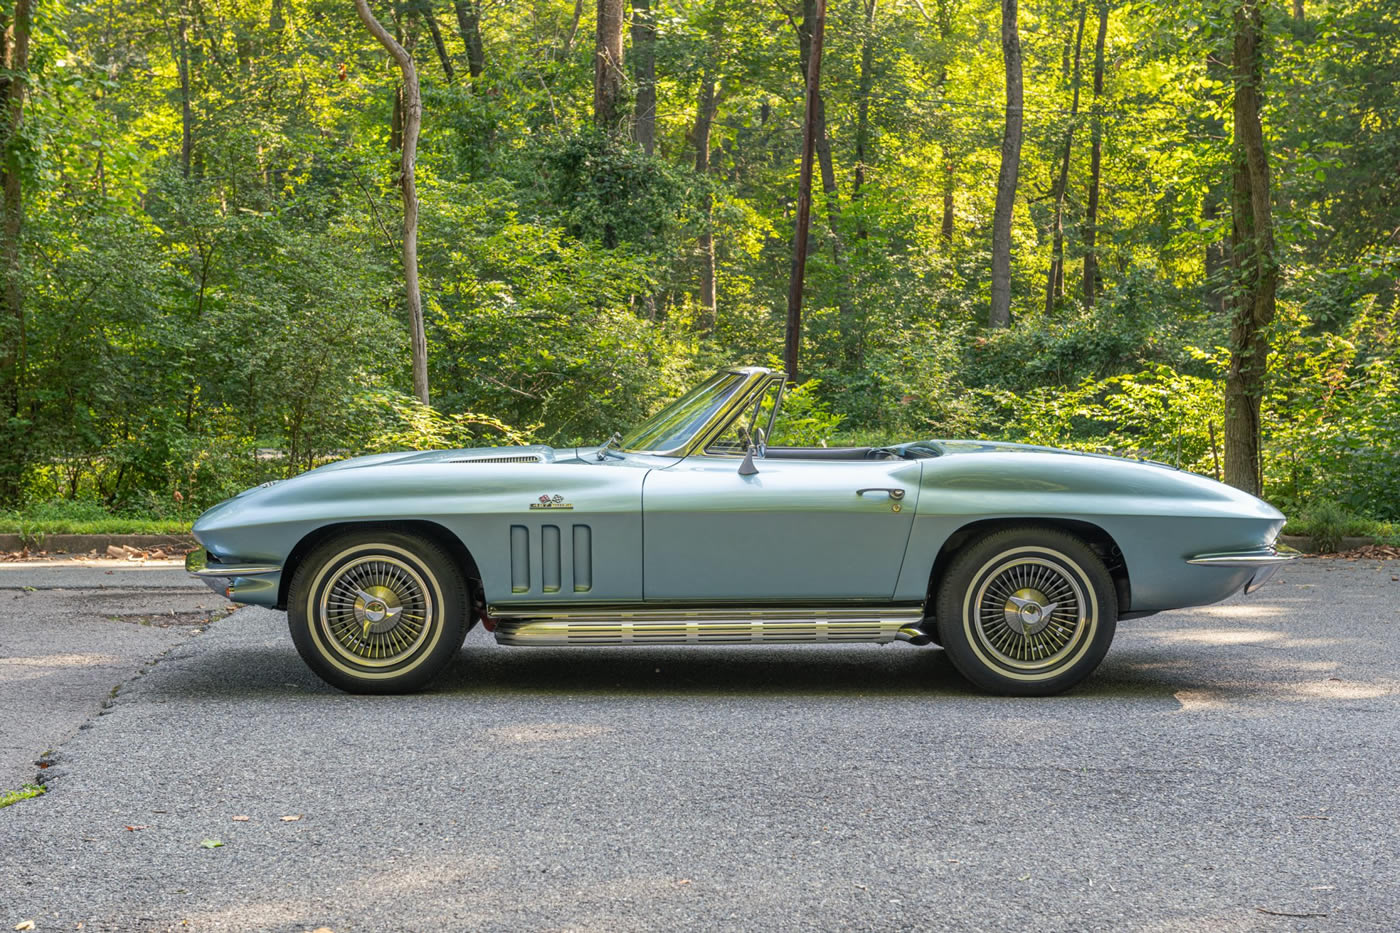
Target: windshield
column 677, row 423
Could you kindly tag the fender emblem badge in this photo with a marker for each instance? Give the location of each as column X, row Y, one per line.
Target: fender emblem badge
column 555, row 501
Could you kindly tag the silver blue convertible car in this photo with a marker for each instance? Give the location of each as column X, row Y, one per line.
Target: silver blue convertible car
column 692, row 529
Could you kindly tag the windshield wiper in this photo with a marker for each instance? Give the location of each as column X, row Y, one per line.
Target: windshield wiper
column 610, row 442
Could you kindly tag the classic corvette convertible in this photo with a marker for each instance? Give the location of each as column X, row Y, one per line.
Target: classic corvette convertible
column 693, row 529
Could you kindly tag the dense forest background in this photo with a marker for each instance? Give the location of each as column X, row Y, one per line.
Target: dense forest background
column 203, row 282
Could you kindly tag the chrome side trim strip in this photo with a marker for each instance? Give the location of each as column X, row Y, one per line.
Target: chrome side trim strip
column 197, row 564
column 1257, row 558
column 707, row 626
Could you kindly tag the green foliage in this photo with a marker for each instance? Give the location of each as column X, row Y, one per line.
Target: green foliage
column 1328, row 522
column 804, row 421
column 82, row 517
column 1156, row 414
column 606, row 190
column 389, row 421
column 195, row 329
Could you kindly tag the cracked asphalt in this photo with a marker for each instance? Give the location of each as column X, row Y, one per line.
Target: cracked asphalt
column 1231, row 768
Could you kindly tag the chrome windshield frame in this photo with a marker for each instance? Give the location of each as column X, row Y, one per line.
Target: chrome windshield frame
column 753, row 379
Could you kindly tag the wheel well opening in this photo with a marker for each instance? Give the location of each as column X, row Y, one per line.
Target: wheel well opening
column 1098, row 540
column 432, row 531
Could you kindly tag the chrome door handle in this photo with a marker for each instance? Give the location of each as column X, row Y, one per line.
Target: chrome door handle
column 892, row 493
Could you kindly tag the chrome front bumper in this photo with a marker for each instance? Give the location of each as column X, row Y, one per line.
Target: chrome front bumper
column 221, row 577
column 1265, row 562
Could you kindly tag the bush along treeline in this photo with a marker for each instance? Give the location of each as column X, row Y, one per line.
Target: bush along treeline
column 203, row 262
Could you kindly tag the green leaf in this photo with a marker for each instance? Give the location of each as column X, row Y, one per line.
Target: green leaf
column 211, row 843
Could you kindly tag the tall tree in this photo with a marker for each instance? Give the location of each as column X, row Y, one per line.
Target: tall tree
column 1055, row 278
column 15, row 31
column 811, row 10
column 644, row 75
column 707, row 103
column 1000, row 314
column 792, row 338
column 469, row 26
column 412, row 120
column 607, row 68
column 182, row 46
column 1091, row 207
column 863, row 89
column 1253, row 258
column 425, row 10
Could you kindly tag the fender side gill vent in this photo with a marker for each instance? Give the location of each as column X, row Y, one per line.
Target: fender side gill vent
column 530, row 459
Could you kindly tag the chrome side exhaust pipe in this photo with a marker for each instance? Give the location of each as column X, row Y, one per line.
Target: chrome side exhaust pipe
column 914, row 634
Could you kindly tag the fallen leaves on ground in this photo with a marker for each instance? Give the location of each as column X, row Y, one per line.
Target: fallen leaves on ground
column 240, row 819
column 211, row 843
column 25, row 925
column 136, row 827
column 292, row 818
column 1365, row 552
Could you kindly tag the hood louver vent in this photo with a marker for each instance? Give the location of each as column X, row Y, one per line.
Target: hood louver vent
column 526, row 459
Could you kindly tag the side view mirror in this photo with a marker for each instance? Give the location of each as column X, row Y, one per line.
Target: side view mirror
column 747, row 468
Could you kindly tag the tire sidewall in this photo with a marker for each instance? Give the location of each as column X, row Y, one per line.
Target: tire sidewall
column 446, row 624
column 978, row 562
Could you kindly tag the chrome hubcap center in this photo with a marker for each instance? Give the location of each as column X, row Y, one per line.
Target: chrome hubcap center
column 1025, row 611
column 376, row 609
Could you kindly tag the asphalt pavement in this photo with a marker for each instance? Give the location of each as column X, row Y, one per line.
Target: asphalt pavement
column 73, row 630
column 1228, row 768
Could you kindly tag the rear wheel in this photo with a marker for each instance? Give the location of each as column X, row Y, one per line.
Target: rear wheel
column 377, row 612
column 1026, row 611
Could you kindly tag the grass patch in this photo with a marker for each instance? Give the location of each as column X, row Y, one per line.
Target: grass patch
column 115, row 525
column 65, row 517
column 24, row 793
column 1327, row 523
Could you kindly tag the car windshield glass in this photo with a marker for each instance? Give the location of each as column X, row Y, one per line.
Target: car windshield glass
column 675, row 424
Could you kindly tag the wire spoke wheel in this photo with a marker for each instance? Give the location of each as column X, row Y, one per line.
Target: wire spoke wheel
column 1030, row 613
column 378, row 611
column 1026, row 611
column 375, row 611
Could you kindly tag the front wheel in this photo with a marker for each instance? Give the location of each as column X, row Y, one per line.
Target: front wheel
column 377, row 612
column 1026, row 611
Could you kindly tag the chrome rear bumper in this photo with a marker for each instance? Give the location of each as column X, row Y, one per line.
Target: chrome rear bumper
column 1265, row 562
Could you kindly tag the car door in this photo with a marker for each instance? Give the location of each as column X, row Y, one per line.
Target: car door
column 798, row 530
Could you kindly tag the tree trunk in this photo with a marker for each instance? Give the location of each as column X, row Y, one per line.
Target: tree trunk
column 607, row 69
column 945, row 229
column 186, row 109
column 866, row 81
column 1253, row 260
column 704, row 119
column 412, row 120
column 1055, row 278
column 14, row 68
column 1000, row 314
column 1091, row 212
column 469, row 25
column 792, row 342
column 1091, row 209
column 644, row 75
column 828, row 174
column 438, row 44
